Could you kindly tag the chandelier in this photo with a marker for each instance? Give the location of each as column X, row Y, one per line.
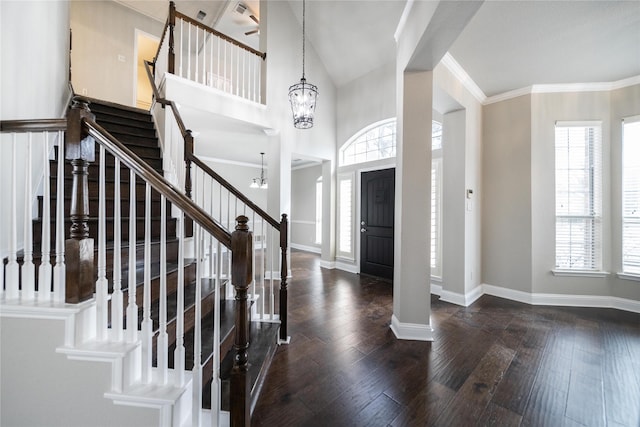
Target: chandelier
column 303, row 95
column 262, row 181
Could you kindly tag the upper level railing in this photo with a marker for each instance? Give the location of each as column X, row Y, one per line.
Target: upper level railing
column 194, row 51
column 35, row 275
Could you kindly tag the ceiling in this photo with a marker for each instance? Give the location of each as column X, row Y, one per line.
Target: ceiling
column 507, row 45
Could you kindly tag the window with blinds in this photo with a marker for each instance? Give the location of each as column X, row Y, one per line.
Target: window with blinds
column 578, row 176
column 631, row 196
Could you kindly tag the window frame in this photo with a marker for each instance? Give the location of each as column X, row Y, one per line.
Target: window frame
column 591, row 215
column 629, row 270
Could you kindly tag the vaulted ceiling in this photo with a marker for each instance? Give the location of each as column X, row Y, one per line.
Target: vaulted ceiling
column 507, row 45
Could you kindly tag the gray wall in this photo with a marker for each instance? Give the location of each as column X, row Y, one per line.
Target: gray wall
column 103, row 30
column 506, row 204
column 518, row 247
column 303, row 206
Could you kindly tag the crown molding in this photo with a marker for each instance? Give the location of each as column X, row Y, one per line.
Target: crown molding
column 564, row 88
column 459, row 73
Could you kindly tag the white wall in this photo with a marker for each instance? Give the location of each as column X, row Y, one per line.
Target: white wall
column 366, row 100
column 303, row 206
column 103, row 31
column 34, row 85
column 40, row 387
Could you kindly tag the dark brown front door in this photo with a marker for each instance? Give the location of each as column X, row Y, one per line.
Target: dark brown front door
column 376, row 223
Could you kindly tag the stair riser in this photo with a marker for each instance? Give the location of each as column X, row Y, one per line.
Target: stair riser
column 94, row 171
column 93, row 229
column 101, row 110
column 108, row 120
column 129, row 127
column 109, row 207
column 93, row 188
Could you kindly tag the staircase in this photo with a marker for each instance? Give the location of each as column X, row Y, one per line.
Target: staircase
column 135, row 128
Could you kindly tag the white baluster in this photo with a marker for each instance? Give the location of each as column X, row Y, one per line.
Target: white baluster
column 59, row 270
column 253, row 284
column 218, row 58
column 147, row 323
column 272, row 276
column 12, row 269
column 163, row 341
column 102, row 285
column 197, row 331
column 44, row 272
column 211, row 59
column 181, row 53
column 197, row 53
column 189, row 51
column 117, row 299
column 132, row 308
column 179, row 354
column 215, row 383
column 263, row 264
column 28, row 268
column 244, row 82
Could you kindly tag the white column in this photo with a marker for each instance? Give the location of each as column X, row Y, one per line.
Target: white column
column 412, row 272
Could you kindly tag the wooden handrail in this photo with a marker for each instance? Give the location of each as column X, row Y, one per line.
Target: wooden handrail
column 159, row 99
column 241, row 45
column 164, row 32
column 41, row 125
column 157, row 181
column 223, row 182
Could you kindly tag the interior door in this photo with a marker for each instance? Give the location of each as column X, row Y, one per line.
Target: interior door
column 376, row 223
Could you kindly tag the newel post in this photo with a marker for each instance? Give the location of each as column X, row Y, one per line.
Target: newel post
column 241, row 273
column 80, row 150
column 171, row 67
column 284, row 270
column 188, row 152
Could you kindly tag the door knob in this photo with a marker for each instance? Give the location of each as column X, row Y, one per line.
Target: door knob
column 362, row 230
column 362, row 223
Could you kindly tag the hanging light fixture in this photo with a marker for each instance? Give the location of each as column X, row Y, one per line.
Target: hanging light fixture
column 262, row 181
column 303, row 95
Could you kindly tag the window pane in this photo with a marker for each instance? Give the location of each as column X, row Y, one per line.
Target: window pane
column 373, row 143
column 344, row 224
column 631, row 198
column 578, row 197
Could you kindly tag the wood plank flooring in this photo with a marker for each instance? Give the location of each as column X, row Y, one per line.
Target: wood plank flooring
column 495, row 363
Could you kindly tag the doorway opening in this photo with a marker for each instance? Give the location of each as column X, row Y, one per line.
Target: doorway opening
column 146, row 48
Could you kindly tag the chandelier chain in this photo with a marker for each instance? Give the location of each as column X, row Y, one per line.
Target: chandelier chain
column 303, row 35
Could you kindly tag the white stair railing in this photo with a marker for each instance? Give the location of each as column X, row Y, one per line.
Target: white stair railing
column 196, row 52
column 33, row 144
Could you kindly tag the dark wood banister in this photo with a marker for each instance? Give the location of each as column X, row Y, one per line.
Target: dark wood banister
column 41, row 125
column 157, row 181
column 202, row 165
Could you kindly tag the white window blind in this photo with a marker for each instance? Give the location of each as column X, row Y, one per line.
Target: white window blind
column 578, row 176
column 631, row 196
column 436, row 223
column 319, row 211
column 345, row 217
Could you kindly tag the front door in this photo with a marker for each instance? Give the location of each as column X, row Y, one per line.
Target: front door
column 376, row 223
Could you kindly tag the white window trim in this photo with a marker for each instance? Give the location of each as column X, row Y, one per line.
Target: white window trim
column 627, row 275
column 580, row 273
column 349, row 256
column 598, row 271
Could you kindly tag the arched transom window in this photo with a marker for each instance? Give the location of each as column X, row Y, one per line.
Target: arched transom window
column 374, row 142
column 378, row 141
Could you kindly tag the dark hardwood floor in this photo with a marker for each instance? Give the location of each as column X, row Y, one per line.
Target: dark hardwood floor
column 496, row 362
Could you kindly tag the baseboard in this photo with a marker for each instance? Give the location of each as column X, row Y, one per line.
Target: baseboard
column 436, row 289
column 312, row 249
column 351, row 268
column 411, row 331
column 563, row 300
column 464, row 300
